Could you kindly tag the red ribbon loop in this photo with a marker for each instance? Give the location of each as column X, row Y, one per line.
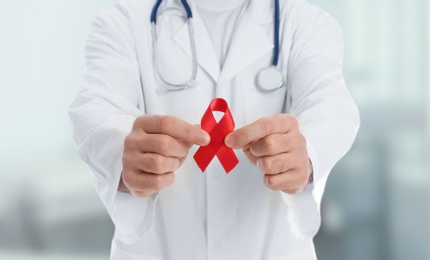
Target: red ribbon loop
column 218, row 132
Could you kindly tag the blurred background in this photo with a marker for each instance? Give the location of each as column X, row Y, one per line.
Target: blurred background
column 376, row 204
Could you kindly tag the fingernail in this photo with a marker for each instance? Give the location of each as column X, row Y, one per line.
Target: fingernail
column 228, row 141
column 206, row 138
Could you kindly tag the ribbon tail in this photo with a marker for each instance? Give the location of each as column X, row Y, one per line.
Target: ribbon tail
column 227, row 158
column 202, row 159
column 205, row 155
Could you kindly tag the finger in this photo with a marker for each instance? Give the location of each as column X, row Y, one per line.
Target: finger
column 164, row 145
column 142, row 193
column 155, row 163
column 295, row 190
column 250, row 156
column 276, row 124
column 272, row 145
column 278, row 163
column 144, row 182
column 136, row 193
column 174, row 127
column 287, row 181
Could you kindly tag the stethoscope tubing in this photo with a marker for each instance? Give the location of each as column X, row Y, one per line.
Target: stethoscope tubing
column 272, row 72
column 154, row 11
column 276, row 34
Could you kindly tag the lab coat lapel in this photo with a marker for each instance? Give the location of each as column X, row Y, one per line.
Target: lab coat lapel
column 206, row 56
column 249, row 41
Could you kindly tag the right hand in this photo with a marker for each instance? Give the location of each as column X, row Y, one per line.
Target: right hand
column 155, row 148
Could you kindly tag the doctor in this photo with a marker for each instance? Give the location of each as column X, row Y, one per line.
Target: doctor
column 154, row 66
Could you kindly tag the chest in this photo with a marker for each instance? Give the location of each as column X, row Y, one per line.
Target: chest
column 250, row 50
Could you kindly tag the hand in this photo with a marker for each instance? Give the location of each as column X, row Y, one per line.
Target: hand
column 276, row 146
column 155, row 148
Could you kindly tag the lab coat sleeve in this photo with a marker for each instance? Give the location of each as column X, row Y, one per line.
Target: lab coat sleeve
column 102, row 116
column 327, row 115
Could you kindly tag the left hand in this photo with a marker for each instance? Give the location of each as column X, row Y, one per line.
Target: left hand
column 276, row 146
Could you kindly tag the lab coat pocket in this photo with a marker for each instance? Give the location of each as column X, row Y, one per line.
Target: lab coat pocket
column 258, row 103
column 135, row 216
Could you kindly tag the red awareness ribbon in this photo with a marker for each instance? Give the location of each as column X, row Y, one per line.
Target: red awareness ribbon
column 218, row 132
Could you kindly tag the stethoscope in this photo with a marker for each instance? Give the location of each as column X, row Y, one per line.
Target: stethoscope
column 268, row 79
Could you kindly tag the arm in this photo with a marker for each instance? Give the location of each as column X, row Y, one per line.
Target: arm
column 327, row 115
column 293, row 149
column 132, row 156
column 102, row 115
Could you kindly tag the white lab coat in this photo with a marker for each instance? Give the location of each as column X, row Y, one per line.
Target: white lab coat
column 213, row 215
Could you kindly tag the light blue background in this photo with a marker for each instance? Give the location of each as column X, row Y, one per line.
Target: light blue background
column 377, row 199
